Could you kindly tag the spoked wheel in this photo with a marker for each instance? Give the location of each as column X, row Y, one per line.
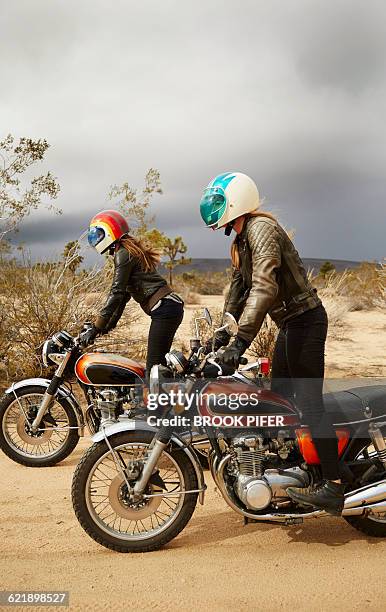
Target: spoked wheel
column 55, row 439
column 372, row 524
column 107, row 511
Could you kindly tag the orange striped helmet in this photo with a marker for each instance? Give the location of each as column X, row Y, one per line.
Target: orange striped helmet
column 106, row 227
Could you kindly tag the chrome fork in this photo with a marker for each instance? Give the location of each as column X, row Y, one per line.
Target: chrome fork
column 49, row 395
column 151, row 462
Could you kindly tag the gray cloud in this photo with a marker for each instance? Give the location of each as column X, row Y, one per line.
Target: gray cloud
column 291, row 93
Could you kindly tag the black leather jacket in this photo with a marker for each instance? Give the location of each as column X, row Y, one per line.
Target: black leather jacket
column 271, row 279
column 130, row 280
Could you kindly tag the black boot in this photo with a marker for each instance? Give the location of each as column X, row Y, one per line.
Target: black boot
column 328, row 496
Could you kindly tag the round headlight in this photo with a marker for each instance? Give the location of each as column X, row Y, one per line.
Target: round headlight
column 62, row 338
column 52, row 353
column 176, row 360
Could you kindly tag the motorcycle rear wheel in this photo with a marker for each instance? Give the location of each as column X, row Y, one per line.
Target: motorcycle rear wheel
column 48, row 446
column 106, row 515
column 373, row 525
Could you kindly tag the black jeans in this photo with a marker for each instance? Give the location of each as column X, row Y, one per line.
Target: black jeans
column 165, row 321
column 298, row 373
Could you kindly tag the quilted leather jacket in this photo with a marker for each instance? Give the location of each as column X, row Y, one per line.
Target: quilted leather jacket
column 271, row 278
column 130, row 280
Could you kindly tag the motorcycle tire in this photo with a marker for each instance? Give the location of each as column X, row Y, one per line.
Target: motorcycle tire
column 79, row 494
column 28, row 459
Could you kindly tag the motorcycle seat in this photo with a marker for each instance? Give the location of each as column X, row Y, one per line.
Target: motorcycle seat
column 356, row 404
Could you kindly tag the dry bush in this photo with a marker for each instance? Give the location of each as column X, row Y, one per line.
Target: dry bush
column 336, row 303
column 264, row 343
column 122, row 341
column 362, row 288
column 38, row 300
column 366, row 287
column 203, row 283
column 127, row 338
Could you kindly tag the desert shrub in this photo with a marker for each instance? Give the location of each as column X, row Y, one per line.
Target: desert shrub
column 366, row 287
column 122, row 341
column 264, row 343
column 37, row 300
column 204, row 283
column 332, row 293
column 362, row 288
column 326, row 268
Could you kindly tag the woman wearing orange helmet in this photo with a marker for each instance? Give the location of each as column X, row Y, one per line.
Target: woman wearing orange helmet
column 135, row 276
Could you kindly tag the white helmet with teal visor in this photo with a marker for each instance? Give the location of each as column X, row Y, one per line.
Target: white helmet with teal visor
column 227, row 197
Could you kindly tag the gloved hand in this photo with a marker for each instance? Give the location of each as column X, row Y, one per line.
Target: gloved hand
column 221, row 339
column 87, row 337
column 232, row 354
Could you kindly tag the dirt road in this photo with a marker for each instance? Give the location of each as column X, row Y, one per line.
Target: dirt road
column 216, row 563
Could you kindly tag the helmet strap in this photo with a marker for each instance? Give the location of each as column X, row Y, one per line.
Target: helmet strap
column 228, row 228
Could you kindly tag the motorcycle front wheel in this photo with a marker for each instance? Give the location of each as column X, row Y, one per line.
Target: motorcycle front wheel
column 56, row 437
column 103, row 505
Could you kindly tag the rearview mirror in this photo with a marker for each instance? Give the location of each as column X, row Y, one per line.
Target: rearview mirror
column 207, row 316
column 230, row 324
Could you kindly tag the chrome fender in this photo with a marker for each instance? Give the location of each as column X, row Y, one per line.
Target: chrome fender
column 63, row 393
column 133, row 425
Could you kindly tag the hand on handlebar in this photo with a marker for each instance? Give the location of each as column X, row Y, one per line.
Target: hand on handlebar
column 88, row 336
column 220, row 339
column 232, row 355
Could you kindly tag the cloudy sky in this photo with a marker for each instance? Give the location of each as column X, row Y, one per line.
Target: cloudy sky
column 292, row 93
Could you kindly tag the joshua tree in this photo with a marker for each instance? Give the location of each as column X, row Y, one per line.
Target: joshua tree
column 172, row 249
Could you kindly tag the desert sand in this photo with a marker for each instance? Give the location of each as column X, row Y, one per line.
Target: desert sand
column 216, row 562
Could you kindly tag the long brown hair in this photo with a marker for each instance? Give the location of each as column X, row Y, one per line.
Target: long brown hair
column 235, row 255
column 148, row 256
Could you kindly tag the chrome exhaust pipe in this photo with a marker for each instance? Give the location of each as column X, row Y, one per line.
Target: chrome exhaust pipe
column 371, row 497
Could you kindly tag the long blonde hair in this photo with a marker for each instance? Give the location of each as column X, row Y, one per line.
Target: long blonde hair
column 235, row 255
column 148, row 256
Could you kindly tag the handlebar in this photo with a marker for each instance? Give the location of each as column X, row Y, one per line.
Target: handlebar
column 212, row 369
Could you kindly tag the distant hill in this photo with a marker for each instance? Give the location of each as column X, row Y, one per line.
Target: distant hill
column 219, row 265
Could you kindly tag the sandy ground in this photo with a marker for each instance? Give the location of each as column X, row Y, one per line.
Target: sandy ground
column 217, row 562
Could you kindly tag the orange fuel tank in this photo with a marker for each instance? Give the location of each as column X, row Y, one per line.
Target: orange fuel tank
column 108, row 369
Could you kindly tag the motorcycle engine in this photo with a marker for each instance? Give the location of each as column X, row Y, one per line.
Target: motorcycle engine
column 256, row 486
column 108, row 404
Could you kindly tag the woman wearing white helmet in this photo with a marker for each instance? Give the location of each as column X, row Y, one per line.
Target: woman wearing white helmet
column 269, row 278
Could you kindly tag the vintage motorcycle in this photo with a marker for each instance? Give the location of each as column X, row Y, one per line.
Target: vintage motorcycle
column 41, row 419
column 137, row 486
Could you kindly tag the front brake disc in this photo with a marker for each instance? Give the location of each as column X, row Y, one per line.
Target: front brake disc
column 34, row 439
column 132, row 511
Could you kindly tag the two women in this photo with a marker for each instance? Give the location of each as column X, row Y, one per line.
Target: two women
column 269, row 278
column 135, row 276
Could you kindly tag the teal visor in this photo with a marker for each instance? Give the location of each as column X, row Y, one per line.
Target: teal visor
column 213, row 205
